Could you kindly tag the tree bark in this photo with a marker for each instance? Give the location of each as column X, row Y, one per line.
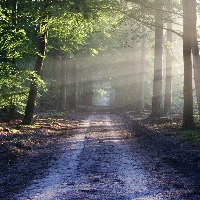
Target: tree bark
column 87, row 89
column 63, row 85
column 135, row 90
column 188, row 119
column 73, row 81
column 157, row 109
column 195, row 52
column 42, row 40
column 142, row 75
column 168, row 78
column 30, row 107
column 53, row 63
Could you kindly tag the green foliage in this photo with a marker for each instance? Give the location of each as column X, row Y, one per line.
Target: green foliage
column 13, row 90
column 14, row 86
column 13, row 39
column 68, row 32
column 49, row 99
column 74, row 27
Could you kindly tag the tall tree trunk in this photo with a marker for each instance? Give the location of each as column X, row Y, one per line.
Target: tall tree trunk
column 188, row 119
column 72, row 99
column 142, row 74
column 196, row 66
column 168, row 78
column 195, row 52
column 63, row 85
column 88, row 93
column 53, row 91
column 53, row 63
column 135, row 92
column 87, row 89
column 79, row 83
column 42, row 40
column 28, row 117
column 157, row 109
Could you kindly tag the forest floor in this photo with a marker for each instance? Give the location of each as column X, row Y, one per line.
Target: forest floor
column 93, row 155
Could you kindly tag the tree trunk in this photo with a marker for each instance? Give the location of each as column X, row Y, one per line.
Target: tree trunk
column 195, row 52
column 28, row 117
column 188, row 119
column 168, row 79
column 135, row 92
column 63, row 86
column 53, row 63
column 42, row 40
column 142, row 75
column 72, row 99
column 87, row 92
column 157, row 109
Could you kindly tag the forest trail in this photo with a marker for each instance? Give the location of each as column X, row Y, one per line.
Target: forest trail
column 100, row 161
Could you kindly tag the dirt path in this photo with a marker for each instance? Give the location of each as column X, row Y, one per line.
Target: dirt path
column 102, row 161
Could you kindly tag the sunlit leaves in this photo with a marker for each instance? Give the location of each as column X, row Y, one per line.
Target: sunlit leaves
column 71, row 30
column 14, row 86
column 93, row 52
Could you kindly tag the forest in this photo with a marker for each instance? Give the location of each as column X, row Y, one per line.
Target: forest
column 133, row 55
column 99, row 99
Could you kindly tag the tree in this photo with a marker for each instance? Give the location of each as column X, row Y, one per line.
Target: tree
column 68, row 24
column 46, row 10
column 157, row 109
column 87, row 94
column 13, row 46
column 142, row 73
column 42, row 39
column 63, row 88
column 188, row 119
column 73, row 84
column 168, row 78
column 195, row 52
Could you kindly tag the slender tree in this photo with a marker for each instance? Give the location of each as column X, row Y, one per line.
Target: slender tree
column 157, row 109
column 63, row 85
column 142, row 73
column 42, row 39
column 195, row 52
column 73, row 84
column 87, row 88
column 168, row 78
column 188, row 119
column 53, row 63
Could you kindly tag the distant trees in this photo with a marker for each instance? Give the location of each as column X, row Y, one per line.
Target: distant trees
column 165, row 12
column 107, row 31
column 68, row 28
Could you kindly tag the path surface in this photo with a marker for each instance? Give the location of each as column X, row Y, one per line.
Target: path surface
column 99, row 162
